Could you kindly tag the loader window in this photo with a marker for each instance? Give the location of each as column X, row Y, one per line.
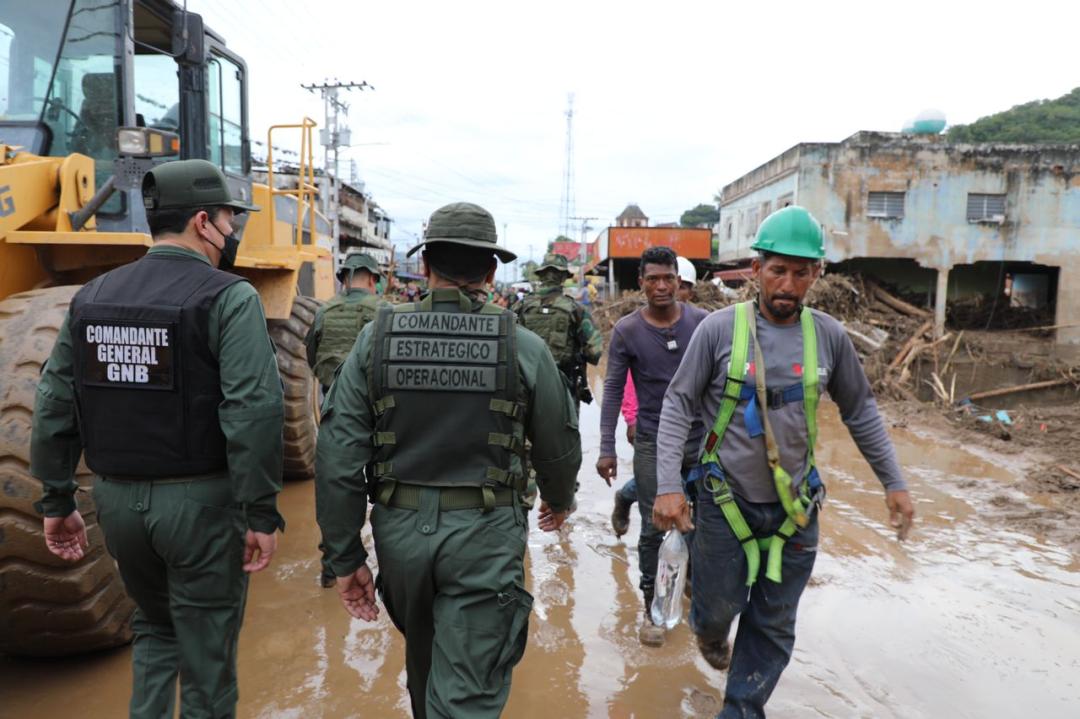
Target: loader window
column 30, row 37
column 60, row 69
column 83, row 105
column 226, row 116
column 157, row 91
column 6, row 37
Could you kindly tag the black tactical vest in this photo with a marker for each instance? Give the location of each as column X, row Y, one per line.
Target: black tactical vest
column 147, row 388
column 444, row 385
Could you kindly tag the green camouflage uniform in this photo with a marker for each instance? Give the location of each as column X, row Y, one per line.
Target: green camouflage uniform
column 565, row 326
column 338, row 322
column 567, row 329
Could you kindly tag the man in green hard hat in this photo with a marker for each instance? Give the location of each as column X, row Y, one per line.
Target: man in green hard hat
column 755, row 372
column 564, row 324
column 336, row 326
column 180, row 416
column 436, row 400
column 338, row 322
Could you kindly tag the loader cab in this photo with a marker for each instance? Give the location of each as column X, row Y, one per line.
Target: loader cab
column 73, row 72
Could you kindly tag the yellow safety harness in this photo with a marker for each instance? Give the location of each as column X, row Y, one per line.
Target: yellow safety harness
column 811, row 491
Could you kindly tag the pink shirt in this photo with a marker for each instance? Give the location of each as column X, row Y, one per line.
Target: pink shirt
column 629, row 401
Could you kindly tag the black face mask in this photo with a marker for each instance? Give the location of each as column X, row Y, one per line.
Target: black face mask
column 228, row 249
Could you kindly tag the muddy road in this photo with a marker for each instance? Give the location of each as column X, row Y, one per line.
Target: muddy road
column 977, row 615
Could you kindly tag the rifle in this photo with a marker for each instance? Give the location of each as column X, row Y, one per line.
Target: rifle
column 581, row 380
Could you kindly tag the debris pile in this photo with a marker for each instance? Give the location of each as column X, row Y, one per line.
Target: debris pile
column 983, row 312
column 895, row 340
column 1004, row 387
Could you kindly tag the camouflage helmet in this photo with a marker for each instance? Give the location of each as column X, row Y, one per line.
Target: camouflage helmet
column 358, row 261
column 463, row 223
column 553, row 261
column 185, row 184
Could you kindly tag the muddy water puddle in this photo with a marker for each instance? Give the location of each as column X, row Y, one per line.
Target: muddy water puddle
column 973, row 617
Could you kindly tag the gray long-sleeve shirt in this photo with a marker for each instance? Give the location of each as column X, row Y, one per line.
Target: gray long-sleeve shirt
column 644, row 350
column 698, row 385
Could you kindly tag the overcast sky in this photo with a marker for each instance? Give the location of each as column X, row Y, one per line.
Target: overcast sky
column 672, row 99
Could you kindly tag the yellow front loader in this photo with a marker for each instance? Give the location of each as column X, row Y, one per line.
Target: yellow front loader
column 96, row 94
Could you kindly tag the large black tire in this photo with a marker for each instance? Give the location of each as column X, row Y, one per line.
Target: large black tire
column 48, row 607
column 301, row 389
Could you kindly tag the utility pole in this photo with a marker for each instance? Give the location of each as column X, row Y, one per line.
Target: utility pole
column 332, row 137
column 567, row 206
column 583, row 254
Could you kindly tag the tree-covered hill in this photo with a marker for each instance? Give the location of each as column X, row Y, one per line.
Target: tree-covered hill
column 1041, row 121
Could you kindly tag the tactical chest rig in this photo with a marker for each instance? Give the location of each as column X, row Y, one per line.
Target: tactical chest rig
column 445, row 389
column 343, row 318
column 553, row 322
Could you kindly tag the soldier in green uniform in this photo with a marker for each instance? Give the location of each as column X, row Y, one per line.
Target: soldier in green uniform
column 339, row 321
column 564, row 324
column 180, row 415
column 436, row 400
column 334, row 331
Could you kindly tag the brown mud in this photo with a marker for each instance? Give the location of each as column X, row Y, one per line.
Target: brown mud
column 977, row 615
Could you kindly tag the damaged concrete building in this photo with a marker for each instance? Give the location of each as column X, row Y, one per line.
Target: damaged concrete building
column 940, row 221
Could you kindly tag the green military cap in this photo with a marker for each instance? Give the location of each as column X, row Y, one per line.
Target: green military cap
column 184, row 184
column 554, row 261
column 360, row 261
column 463, row 223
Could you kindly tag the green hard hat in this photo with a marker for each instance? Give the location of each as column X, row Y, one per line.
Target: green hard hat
column 792, row 231
column 553, row 261
column 463, row 223
column 359, row 261
column 183, row 184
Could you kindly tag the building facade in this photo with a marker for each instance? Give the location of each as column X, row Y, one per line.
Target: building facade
column 362, row 224
column 948, row 218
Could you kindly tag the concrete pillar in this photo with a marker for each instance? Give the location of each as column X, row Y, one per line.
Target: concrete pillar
column 940, row 299
column 1067, row 306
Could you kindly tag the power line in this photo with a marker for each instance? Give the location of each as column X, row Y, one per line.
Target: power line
column 332, row 137
column 583, row 253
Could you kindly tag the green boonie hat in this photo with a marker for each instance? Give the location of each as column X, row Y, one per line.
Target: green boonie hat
column 463, row 223
column 792, row 231
column 183, row 184
column 553, row 261
column 359, row 261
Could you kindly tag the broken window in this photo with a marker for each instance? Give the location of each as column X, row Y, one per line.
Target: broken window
column 885, row 204
column 985, row 208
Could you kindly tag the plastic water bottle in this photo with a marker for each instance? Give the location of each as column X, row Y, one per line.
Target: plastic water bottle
column 670, row 580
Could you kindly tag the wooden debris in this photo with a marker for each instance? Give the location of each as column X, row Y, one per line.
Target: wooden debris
column 870, row 339
column 1019, row 388
column 956, row 346
column 910, row 345
column 897, row 304
column 1071, row 472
